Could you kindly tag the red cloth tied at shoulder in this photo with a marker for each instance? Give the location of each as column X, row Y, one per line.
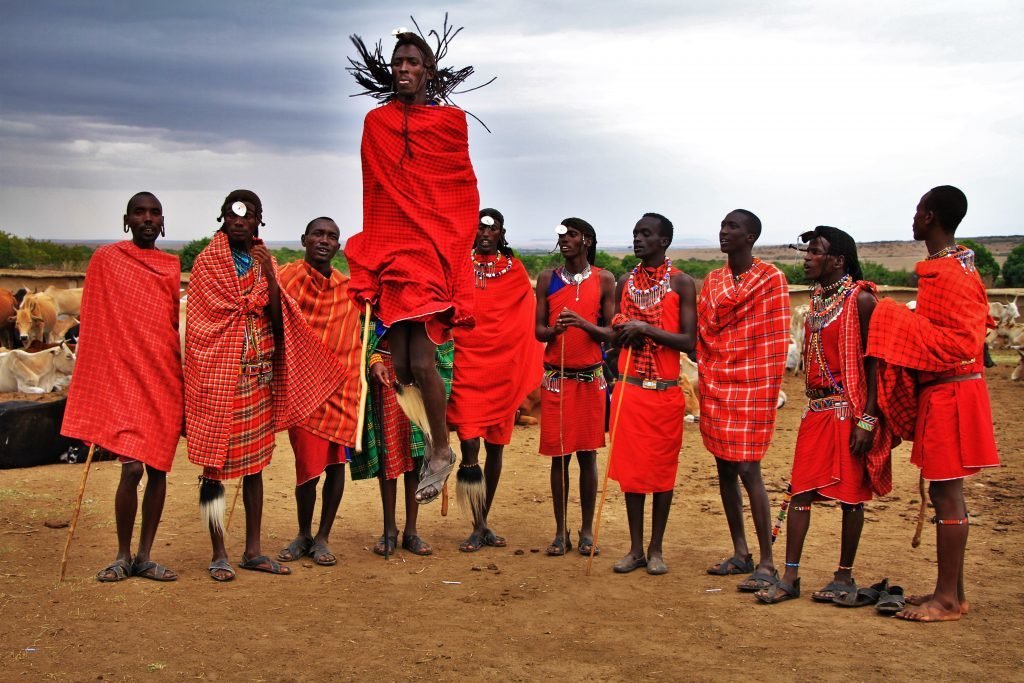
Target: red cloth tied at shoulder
column 420, row 215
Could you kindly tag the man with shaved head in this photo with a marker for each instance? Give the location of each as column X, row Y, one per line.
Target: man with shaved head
column 743, row 324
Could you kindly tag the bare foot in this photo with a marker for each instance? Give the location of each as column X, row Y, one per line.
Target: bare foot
column 930, row 611
column 922, row 599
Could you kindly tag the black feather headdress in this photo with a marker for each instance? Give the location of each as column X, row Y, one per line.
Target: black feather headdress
column 373, row 72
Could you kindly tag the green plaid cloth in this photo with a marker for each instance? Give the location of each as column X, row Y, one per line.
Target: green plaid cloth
column 366, row 465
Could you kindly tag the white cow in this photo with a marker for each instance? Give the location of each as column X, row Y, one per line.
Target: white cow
column 1018, row 372
column 67, row 301
column 37, row 373
column 797, row 335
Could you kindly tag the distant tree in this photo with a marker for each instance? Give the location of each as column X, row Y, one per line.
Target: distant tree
column 794, row 272
column 1013, row 268
column 984, row 261
column 190, row 251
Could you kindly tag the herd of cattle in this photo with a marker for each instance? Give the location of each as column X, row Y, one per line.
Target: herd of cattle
column 38, row 332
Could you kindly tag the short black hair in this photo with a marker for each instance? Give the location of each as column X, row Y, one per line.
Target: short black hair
column 588, row 231
column 949, row 204
column 753, row 222
column 665, row 225
column 309, row 225
column 137, row 195
column 839, row 244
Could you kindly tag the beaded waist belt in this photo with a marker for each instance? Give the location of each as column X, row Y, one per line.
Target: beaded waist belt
column 654, row 384
column 834, row 402
column 553, row 378
column 261, row 368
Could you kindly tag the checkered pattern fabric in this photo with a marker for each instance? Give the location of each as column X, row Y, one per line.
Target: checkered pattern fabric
column 944, row 336
column 126, row 394
column 420, row 216
column 741, row 348
column 304, row 372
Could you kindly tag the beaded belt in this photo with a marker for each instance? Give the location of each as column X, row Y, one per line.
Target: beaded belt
column 655, row 384
column 552, row 377
column 256, row 368
column 834, row 402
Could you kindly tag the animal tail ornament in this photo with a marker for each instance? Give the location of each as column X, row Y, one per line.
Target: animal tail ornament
column 212, row 504
column 410, row 400
column 471, row 490
column 783, row 508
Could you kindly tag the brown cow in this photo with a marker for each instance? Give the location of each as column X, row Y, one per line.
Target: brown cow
column 8, row 309
column 36, row 318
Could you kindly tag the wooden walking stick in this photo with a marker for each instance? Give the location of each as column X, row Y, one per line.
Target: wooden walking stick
column 608, row 464
column 563, row 464
column 921, row 512
column 74, row 517
column 364, row 383
column 234, row 503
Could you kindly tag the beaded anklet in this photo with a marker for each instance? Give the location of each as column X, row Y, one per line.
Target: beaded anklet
column 952, row 522
column 793, row 564
column 800, row 508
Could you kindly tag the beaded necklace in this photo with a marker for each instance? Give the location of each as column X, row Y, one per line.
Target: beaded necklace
column 826, row 306
column 945, row 251
column 487, row 270
column 962, row 254
column 651, row 296
column 574, row 278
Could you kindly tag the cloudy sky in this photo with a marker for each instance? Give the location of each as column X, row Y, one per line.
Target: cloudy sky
column 803, row 111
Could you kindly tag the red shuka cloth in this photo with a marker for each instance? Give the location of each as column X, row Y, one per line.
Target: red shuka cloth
column 741, row 349
column 327, row 307
column 823, row 461
column 126, row 394
column 497, row 362
column 951, row 424
column 420, row 217
column 305, row 373
column 573, row 421
column 649, row 432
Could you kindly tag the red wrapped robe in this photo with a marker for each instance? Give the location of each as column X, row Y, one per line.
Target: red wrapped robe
column 126, row 394
column 420, row 217
column 327, row 307
column 304, row 372
column 823, row 461
column 572, row 417
column 497, row 362
column 649, row 432
column 741, row 349
column 942, row 338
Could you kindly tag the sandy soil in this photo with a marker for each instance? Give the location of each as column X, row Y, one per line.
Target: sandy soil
column 531, row 617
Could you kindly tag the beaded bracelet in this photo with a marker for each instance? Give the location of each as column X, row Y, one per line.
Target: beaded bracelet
column 867, row 422
column 374, row 359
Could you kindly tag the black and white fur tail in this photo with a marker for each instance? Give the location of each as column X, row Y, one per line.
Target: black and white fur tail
column 212, row 506
column 471, row 490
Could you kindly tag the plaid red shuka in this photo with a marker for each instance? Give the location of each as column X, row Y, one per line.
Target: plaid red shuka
column 741, row 348
column 942, row 337
column 420, row 216
column 126, row 395
column 326, row 305
column 851, row 361
column 304, row 372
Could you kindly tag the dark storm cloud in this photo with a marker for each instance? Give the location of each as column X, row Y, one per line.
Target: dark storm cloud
column 210, row 72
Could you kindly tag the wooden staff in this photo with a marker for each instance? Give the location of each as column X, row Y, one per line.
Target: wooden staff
column 783, row 508
column 563, row 464
column 364, row 384
column 608, row 464
column 74, row 517
column 921, row 512
column 234, row 504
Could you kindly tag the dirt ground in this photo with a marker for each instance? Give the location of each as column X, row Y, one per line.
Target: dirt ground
column 533, row 617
